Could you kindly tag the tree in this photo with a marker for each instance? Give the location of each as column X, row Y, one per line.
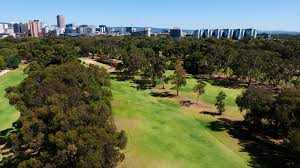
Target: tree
column 287, row 109
column 66, row 119
column 2, row 63
column 220, row 104
column 13, row 61
column 179, row 76
column 258, row 103
column 164, row 80
column 200, row 88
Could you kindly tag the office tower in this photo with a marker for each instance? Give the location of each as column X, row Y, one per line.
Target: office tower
column 227, row 33
column 61, row 22
column 176, row 33
column 86, row 30
column 34, row 28
column 238, row 34
column 216, row 33
column 207, row 33
column 130, row 30
column 20, row 28
column 250, row 33
column 6, row 29
column 198, row 33
column 70, row 28
column 148, row 31
column 102, row 29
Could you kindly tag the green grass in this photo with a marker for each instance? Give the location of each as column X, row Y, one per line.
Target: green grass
column 162, row 135
column 211, row 92
column 160, row 132
column 8, row 114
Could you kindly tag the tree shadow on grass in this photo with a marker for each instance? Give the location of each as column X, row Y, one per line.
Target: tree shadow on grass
column 210, row 113
column 263, row 153
column 164, row 94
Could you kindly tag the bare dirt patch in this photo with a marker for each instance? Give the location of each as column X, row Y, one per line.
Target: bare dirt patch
column 3, row 72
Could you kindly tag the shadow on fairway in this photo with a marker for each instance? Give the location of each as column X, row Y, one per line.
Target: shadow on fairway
column 209, row 113
column 164, row 94
column 263, row 154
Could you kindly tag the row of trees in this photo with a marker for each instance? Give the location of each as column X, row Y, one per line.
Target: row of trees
column 249, row 61
column 276, row 112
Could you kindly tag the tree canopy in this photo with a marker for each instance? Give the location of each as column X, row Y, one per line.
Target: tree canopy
column 66, row 119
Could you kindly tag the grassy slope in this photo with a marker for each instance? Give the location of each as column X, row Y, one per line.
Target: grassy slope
column 8, row 114
column 161, row 134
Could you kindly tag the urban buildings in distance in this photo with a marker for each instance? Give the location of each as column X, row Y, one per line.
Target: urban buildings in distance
column 236, row 34
column 34, row 28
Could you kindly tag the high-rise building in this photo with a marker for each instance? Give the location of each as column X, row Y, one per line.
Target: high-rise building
column 86, row 30
column 130, row 30
column 216, row 33
column 207, row 33
column 102, row 29
column 227, row 33
column 70, row 28
column 148, row 31
column 61, row 21
column 6, row 29
column 238, row 34
column 34, row 28
column 20, row 28
column 198, row 33
column 250, row 33
column 176, row 33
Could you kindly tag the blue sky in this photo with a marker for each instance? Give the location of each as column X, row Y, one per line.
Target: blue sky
column 260, row 14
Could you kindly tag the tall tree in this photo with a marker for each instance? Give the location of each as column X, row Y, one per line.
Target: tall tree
column 179, row 76
column 200, row 88
column 220, row 104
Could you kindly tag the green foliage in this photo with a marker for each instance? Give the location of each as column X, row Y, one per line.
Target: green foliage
column 220, row 104
column 179, row 76
column 2, row 63
column 65, row 119
column 287, row 108
column 13, row 61
column 258, row 104
column 200, row 88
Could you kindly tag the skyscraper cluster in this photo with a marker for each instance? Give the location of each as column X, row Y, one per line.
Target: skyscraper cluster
column 34, row 28
column 236, row 34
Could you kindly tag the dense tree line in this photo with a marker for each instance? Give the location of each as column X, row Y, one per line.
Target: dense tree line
column 275, row 113
column 275, row 62
column 9, row 57
column 66, row 119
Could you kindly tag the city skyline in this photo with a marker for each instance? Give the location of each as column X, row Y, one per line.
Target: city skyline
column 190, row 14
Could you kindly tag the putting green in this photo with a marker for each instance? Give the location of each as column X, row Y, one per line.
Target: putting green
column 8, row 114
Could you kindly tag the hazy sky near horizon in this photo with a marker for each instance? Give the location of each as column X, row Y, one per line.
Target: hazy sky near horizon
column 190, row 14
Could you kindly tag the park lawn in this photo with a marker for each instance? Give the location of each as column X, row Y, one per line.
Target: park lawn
column 8, row 114
column 210, row 91
column 162, row 134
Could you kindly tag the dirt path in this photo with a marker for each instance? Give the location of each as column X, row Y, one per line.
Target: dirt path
column 91, row 61
column 3, row 72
